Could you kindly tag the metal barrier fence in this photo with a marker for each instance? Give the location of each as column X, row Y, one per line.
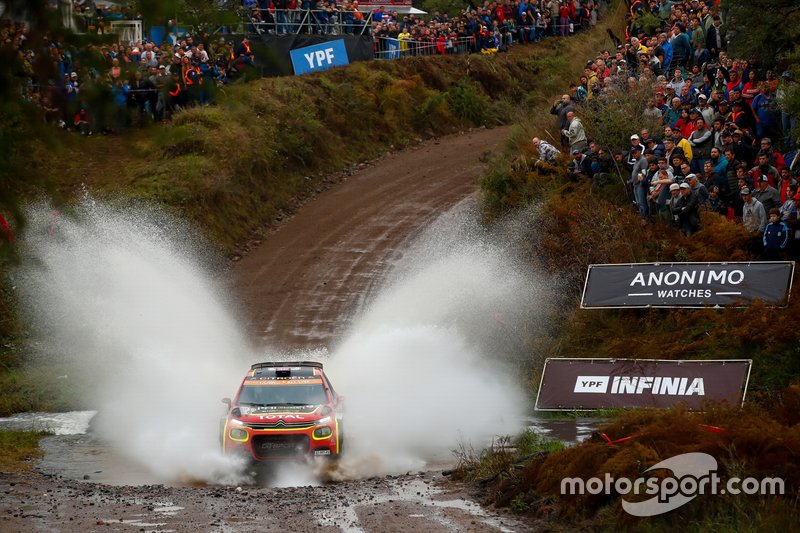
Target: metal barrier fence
column 391, row 48
column 312, row 21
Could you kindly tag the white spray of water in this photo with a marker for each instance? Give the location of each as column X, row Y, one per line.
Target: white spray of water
column 120, row 292
column 429, row 365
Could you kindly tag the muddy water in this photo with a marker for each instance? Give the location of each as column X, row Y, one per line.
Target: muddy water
column 75, row 452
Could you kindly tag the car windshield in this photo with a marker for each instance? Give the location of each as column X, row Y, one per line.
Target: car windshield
column 313, row 394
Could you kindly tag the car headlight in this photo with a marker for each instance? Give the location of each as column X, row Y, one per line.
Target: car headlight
column 322, row 432
column 238, row 434
column 323, row 421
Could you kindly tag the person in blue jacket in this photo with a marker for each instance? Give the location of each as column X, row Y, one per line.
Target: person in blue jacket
column 776, row 237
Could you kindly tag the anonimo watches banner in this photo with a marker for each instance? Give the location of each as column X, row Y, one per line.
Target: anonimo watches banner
column 620, row 383
column 687, row 284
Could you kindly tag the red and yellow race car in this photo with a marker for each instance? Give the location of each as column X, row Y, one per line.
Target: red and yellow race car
column 284, row 410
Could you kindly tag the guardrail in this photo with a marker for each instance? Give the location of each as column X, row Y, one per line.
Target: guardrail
column 391, row 48
column 314, row 21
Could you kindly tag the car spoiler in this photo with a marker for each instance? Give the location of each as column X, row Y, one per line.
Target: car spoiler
column 285, row 364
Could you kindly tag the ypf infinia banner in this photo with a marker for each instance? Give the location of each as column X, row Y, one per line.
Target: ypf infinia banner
column 621, row 383
column 687, row 284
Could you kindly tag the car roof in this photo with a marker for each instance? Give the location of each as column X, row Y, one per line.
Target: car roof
column 284, row 370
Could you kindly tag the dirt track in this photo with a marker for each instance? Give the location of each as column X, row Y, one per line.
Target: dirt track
column 299, row 288
column 302, row 284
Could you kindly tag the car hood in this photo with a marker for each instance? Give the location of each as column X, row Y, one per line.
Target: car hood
column 304, row 413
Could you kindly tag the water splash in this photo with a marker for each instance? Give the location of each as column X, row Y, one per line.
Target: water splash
column 433, row 362
column 120, row 293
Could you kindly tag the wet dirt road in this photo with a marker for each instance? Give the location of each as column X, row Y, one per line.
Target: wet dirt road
column 302, row 284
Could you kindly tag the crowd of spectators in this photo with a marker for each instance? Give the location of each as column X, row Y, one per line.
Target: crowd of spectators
column 494, row 25
column 724, row 143
column 107, row 87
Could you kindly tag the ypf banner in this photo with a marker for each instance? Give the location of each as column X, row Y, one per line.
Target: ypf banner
column 687, row 284
column 319, row 57
column 620, row 383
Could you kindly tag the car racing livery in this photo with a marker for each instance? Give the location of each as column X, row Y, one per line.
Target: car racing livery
column 283, row 410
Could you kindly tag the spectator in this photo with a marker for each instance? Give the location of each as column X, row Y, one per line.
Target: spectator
column 766, row 194
column 575, row 132
column 547, row 152
column 698, row 188
column 560, row 109
column 715, row 202
column 82, row 123
column 776, row 237
column 754, row 218
column 687, row 210
column 701, row 142
column 764, row 169
column 580, row 167
column 658, row 194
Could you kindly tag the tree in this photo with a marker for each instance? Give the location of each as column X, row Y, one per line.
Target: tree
column 767, row 29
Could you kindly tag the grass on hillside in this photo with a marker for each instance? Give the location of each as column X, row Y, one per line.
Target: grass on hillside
column 753, row 442
column 18, row 448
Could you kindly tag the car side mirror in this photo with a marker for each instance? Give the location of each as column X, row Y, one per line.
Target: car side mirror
column 227, row 401
column 339, row 400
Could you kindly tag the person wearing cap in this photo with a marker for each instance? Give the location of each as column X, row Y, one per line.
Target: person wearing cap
column 754, row 217
column 775, row 238
column 741, row 115
column 664, row 51
column 70, row 91
column 654, row 146
column 697, row 187
column 687, row 210
column 547, row 152
column 682, row 143
column 706, row 111
column 723, row 111
column 744, row 150
column 580, row 167
column 673, row 204
column 766, row 194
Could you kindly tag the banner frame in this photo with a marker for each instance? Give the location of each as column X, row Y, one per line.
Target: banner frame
column 669, row 263
column 615, row 359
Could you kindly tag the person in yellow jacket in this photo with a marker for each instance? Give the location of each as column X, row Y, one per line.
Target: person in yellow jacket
column 680, row 142
column 403, row 37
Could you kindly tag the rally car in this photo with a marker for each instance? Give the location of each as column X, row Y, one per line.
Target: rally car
column 283, row 410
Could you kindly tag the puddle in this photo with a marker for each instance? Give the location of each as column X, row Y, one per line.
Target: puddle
column 419, row 493
column 568, row 431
